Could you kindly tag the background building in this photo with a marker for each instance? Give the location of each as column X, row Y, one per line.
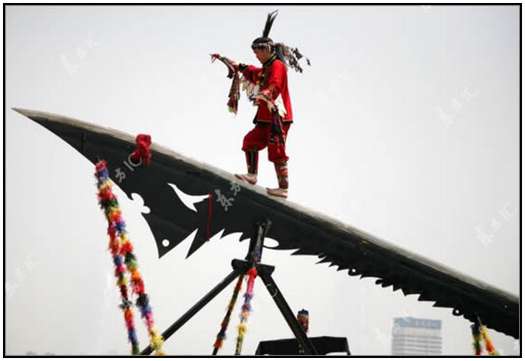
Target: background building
column 416, row 336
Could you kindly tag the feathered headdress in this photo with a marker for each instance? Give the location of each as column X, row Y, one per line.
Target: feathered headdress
column 269, row 22
column 290, row 56
column 265, row 41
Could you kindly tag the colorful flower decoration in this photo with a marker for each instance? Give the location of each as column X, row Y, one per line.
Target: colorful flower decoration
column 246, row 309
column 479, row 333
column 123, row 258
column 221, row 336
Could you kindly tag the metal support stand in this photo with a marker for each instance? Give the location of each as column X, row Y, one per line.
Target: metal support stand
column 265, row 271
column 198, row 306
column 241, row 267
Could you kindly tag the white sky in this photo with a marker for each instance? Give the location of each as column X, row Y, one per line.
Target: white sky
column 406, row 126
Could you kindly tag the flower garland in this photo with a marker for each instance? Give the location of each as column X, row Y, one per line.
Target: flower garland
column 146, row 312
column 476, row 335
column 123, row 257
column 109, row 203
column 224, row 325
column 246, row 308
column 488, row 342
column 480, row 332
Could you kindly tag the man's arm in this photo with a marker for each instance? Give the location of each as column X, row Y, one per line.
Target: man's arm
column 250, row 72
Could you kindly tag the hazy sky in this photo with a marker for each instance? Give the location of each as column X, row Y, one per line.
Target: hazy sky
column 406, row 126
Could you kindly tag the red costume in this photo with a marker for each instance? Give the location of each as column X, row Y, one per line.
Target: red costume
column 271, row 77
column 268, row 88
column 276, row 81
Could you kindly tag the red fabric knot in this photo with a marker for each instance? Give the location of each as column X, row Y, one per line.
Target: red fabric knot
column 142, row 152
column 100, row 165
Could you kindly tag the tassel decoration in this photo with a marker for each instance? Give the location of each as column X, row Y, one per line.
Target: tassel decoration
column 233, row 73
column 245, row 310
column 221, row 336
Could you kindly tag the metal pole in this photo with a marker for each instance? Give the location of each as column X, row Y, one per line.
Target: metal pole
column 198, row 306
column 257, row 241
column 279, row 300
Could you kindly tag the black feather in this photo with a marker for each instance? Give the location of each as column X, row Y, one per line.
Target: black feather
column 269, row 22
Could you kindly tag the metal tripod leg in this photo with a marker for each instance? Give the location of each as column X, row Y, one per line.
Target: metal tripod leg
column 265, row 273
column 198, row 306
column 241, row 267
column 257, row 241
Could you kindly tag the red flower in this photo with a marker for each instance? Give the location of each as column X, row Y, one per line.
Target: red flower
column 127, row 248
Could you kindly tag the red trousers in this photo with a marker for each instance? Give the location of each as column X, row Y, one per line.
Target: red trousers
column 260, row 137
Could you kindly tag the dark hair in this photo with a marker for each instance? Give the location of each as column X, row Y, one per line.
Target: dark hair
column 262, row 42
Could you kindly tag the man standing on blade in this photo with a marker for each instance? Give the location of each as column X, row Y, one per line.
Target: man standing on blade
column 267, row 87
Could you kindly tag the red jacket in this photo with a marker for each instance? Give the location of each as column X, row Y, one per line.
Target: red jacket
column 276, row 81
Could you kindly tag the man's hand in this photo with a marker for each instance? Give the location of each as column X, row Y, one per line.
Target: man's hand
column 267, row 93
column 266, row 97
column 216, row 56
